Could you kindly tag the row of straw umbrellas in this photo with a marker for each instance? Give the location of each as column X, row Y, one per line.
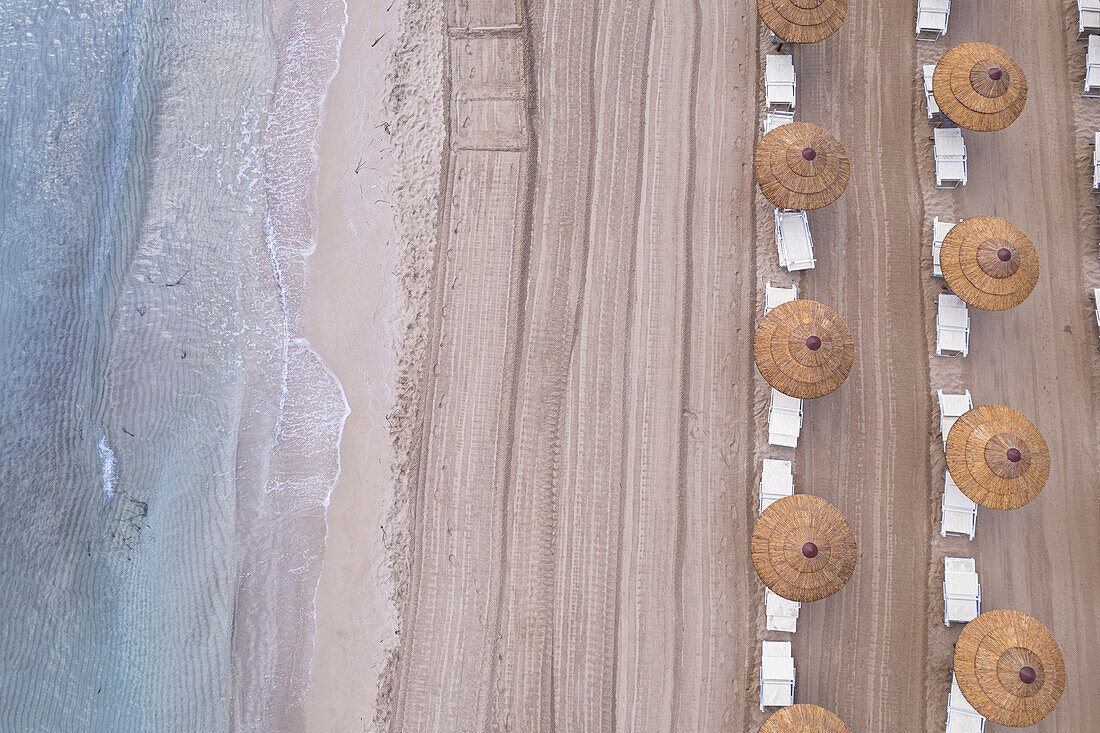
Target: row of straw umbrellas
column 1008, row 665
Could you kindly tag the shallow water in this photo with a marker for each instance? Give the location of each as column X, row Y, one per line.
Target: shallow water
column 166, row 441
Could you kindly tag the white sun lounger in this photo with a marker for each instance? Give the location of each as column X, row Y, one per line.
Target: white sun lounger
column 776, row 296
column 793, row 240
column 784, row 420
column 779, row 82
column 775, row 118
column 961, row 716
column 939, row 232
column 1088, row 18
column 1096, row 163
column 776, row 482
column 1096, row 299
column 934, row 115
column 932, row 18
column 960, row 514
column 962, row 595
column 952, row 327
column 776, row 675
column 952, row 407
column 1092, row 68
column 950, row 150
column 782, row 615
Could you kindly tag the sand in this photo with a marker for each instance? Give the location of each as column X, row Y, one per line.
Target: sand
column 579, row 425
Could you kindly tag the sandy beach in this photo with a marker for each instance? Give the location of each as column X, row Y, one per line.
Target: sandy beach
column 539, row 293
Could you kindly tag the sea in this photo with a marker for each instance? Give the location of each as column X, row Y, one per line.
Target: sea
column 168, row 438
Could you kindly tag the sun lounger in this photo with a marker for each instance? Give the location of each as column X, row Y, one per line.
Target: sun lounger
column 961, row 717
column 782, row 615
column 934, row 115
column 793, row 240
column 776, row 675
column 775, row 118
column 784, row 419
column 1096, row 163
column 960, row 514
column 932, row 18
column 776, row 481
column 952, row 407
column 775, row 296
column 1096, row 299
column 952, row 327
column 779, row 82
column 950, row 150
column 962, row 595
column 939, row 232
column 1088, row 18
column 1092, row 68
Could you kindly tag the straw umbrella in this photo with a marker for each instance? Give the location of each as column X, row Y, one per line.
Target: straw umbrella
column 803, row 349
column 1009, row 668
column 997, row 457
column 801, row 166
column 802, row 548
column 804, row 719
column 802, row 21
column 989, row 263
column 978, row 86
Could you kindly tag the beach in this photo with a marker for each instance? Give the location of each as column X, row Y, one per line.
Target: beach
column 588, row 425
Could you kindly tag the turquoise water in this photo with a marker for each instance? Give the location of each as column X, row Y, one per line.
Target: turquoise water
column 157, row 488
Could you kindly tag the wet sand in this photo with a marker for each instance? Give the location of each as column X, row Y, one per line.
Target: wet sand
column 579, row 424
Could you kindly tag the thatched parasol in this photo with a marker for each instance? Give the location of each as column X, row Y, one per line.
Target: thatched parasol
column 1009, row 668
column 997, row 457
column 802, row 548
column 801, row 166
column 803, row 349
column 978, row 86
column 804, row 719
column 802, row 21
column 989, row 263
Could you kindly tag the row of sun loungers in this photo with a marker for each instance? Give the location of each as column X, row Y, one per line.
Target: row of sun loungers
column 932, row 16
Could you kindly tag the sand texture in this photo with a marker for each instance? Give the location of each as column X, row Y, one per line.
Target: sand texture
column 579, row 425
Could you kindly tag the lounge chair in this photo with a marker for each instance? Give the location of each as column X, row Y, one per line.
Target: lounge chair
column 932, row 18
column 779, row 82
column 939, row 233
column 1096, row 162
column 961, row 717
column 934, row 115
column 775, row 296
column 962, row 595
column 952, row 407
column 784, row 420
column 776, row 675
column 1092, row 68
column 775, row 118
column 1096, row 299
column 782, row 615
column 776, row 481
column 950, row 150
column 952, row 327
column 959, row 513
column 1088, row 18
column 793, row 240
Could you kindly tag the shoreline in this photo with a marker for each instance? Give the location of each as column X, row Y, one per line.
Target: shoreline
column 351, row 318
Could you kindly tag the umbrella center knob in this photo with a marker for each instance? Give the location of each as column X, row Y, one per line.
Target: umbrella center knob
column 1027, row 675
column 809, row 153
column 1014, row 455
column 1004, row 254
column 995, row 73
column 809, row 551
column 813, row 343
